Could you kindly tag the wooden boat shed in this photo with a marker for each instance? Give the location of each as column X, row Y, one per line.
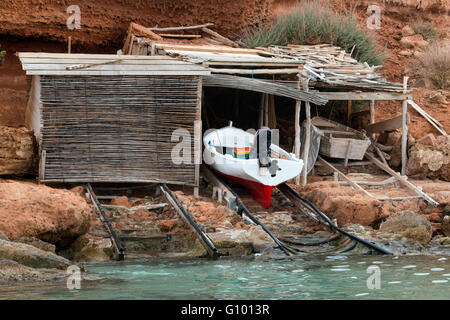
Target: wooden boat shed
column 109, row 118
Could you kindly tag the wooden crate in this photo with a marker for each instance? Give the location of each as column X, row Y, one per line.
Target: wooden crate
column 340, row 141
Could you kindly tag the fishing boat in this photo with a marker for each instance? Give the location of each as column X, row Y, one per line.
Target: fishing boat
column 252, row 160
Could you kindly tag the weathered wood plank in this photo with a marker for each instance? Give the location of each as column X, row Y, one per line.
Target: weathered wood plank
column 386, row 125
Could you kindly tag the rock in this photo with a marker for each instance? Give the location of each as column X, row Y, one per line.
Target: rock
column 12, row 271
column 38, row 244
column 430, row 159
column 447, row 210
column 409, row 225
column 406, row 53
column 3, row 236
column 343, row 203
column 17, row 149
column 444, row 241
column 395, row 139
column 31, row 256
column 167, row 225
column 91, row 248
column 407, row 31
column 414, row 42
column 428, row 140
column 438, row 98
column 79, row 190
column 445, row 226
column 56, row 216
column 121, row 201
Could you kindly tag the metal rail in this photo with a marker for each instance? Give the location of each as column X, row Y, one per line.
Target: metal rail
column 204, row 240
column 313, row 211
column 118, row 247
column 241, row 208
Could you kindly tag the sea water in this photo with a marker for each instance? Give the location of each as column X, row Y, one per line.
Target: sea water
column 311, row 277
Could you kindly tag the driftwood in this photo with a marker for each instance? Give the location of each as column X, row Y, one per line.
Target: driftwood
column 386, row 125
column 220, row 37
column 351, row 182
column 401, row 179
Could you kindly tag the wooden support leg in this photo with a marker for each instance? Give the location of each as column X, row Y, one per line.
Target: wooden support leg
column 349, row 112
column 298, row 105
column 307, row 142
column 404, row 137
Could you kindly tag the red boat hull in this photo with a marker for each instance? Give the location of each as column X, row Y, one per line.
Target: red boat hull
column 259, row 191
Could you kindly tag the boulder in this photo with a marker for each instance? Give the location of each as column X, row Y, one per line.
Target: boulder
column 445, row 226
column 35, row 242
column 31, row 256
column 17, row 150
column 414, row 42
column 430, row 158
column 121, row 201
column 409, row 225
column 344, row 204
column 407, row 31
column 57, row 216
column 12, row 271
column 92, row 248
column 3, row 236
column 438, row 98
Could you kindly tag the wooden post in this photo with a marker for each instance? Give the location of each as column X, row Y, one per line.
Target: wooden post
column 198, row 137
column 307, row 136
column 69, row 45
column 261, row 111
column 404, row 129
column 372, row 111
column 349, row 111
column 266, row 109
column 298, row 106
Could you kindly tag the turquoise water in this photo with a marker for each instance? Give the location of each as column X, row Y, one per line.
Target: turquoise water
column 320, row 277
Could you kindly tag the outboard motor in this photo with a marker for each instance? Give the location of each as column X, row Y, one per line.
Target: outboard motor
column 263, row 143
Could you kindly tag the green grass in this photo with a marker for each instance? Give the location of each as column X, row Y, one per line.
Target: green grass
column 314, row 23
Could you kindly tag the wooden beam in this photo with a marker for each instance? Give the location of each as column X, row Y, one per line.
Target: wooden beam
column 439, row 127
column 144, row 32
column 351, row 182
column 298, row 106
column 401, row 179
column 182, row 27
column 307, row 136
column 372, row 111
column 198, row 138
column 173, row 35
column 353, row 95
column 349, row 112
column 254, row 71
column 404, row 130
column 387, row 125
column 220, row 37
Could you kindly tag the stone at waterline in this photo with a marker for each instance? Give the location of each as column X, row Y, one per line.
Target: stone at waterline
column 31, row 256
column 445, row 226
column 92, row 248
column 409, row 225
column 35, row 242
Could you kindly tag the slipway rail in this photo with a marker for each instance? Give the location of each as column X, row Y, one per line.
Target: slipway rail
column 184, row 214
column 312, row 211
column 118, row 247
column 242, row 209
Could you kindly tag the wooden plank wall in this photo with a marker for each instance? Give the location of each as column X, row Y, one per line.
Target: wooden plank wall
column 116, row 129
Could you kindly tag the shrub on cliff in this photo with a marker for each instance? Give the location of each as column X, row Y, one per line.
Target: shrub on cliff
column 435, row 66
column 314, row 23
column 427, row 30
